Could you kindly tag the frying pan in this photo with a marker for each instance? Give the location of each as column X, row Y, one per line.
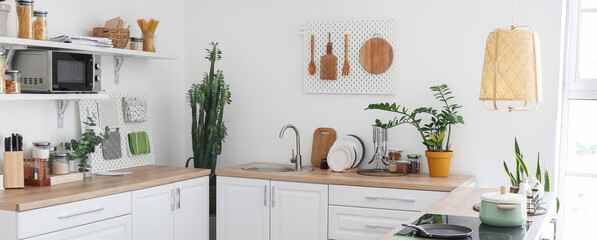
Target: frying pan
column 441, row 230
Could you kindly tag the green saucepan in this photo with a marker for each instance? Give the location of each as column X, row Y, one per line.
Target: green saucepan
column 503, row 209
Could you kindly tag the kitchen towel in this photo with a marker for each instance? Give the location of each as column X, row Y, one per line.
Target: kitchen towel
column 139, row 143
column 112, row 149
column 134, row 111
column 108, row 113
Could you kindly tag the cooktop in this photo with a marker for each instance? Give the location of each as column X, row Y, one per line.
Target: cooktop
column 480, row 231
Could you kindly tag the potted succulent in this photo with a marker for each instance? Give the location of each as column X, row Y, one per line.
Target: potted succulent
column 207, row 100
column 82, row 148
column 435, row 134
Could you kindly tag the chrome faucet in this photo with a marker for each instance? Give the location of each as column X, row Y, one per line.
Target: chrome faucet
column 296, row 159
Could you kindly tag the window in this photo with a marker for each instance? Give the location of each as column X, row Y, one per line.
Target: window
column 579, row 129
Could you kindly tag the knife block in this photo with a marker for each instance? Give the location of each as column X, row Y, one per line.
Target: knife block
column 13, row 170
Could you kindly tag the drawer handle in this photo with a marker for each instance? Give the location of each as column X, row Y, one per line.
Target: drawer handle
column 387, row 198
column 376, row 226
column 81, row 213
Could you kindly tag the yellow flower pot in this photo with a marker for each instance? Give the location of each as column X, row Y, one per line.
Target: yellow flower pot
column 439, row 163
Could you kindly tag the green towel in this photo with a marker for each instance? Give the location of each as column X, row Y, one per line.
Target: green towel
column 139, row 142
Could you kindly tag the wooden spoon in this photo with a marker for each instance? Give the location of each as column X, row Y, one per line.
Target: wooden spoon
column 312, row 63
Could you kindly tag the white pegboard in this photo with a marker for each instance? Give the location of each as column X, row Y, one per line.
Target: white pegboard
column 89, row 107
column 358, row 80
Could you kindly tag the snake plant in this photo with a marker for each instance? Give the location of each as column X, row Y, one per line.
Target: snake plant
column 522, row 170
column 207, row 100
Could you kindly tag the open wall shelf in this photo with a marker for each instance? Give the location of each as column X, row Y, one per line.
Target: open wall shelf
column 19, row 43
column 42, row 97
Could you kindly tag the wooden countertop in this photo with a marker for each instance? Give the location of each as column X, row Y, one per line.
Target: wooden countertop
column 96, row 186
column 411, row 181
column 460, row 202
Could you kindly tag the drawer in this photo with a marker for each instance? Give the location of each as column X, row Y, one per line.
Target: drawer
column 349, row 223
column 113, row 229
column 39, row 221
column 384, row 198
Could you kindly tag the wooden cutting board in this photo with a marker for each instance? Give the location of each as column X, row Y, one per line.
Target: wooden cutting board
column 376, row 55
column 323, row 139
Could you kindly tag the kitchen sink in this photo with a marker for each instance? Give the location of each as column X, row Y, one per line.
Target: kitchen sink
column 275, row 168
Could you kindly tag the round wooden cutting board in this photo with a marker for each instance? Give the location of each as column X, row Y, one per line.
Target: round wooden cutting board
column 376, row 55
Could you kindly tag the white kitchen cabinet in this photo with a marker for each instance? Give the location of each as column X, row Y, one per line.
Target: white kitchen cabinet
column 153, row 216
column 298, row 211
column 118, row 228
column 243, row 209
column 354, row 223
column 177, row 211
column 191, row 218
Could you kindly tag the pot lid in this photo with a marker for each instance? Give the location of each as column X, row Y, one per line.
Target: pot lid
column 503, row 197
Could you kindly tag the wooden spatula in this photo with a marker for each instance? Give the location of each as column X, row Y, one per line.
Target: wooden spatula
column 329, row 63
column 312, row 63
column 346, row 67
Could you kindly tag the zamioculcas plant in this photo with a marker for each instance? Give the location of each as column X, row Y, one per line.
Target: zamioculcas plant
column 522, row 170
column 435, row 134
column 207, row 100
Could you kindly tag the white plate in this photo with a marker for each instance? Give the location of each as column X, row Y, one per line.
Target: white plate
column 340, row 155
column 357, row 146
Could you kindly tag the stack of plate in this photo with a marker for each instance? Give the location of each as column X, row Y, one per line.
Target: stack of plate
column 346, row 153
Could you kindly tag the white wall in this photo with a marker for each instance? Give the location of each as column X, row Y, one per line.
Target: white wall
column 161, row 80
column 438, row 42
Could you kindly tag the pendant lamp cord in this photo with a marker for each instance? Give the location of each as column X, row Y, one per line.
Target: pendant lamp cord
column 513, row 11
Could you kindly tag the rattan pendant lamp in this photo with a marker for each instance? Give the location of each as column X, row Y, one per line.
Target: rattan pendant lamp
column 512, row 69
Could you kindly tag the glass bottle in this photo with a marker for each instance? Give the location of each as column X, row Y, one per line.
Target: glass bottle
column 25, row 18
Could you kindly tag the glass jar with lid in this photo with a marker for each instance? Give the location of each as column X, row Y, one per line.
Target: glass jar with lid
column 136, row 43
column 41, row 150
column 25, row 18
column 59, row 163
column 12, row 81
column 415, row 163
column 2, row 69
column 40, row 25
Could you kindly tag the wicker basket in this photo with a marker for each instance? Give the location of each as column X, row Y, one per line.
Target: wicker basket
column 119, row 36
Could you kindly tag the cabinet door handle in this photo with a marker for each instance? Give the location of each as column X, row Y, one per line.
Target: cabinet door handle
column 264, row 195
column 81, row 213
column 273, row 196
column 172, row 200
column 376, row 226
column 177, row 198
column 387, row 198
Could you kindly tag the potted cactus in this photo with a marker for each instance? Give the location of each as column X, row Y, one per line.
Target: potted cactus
column 435, row 134
column 207, row 100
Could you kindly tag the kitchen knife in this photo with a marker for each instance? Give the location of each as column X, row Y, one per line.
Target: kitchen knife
column 20, row 143
column 7, row 144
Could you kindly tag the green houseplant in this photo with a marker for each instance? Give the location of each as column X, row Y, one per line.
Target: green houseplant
column 522, row 170
column 436, row 133
column 82, row 148
column 207, row 100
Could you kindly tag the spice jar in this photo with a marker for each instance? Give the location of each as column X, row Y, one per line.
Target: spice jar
column 25, row 18
column 2, row 69
column 415, row 163
column 395, row 154
column 402, row 166
column 40, row 25
column 136, row 43
column 41, row 150
column 12, row 80
column 148, row 42
column 60, row 163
